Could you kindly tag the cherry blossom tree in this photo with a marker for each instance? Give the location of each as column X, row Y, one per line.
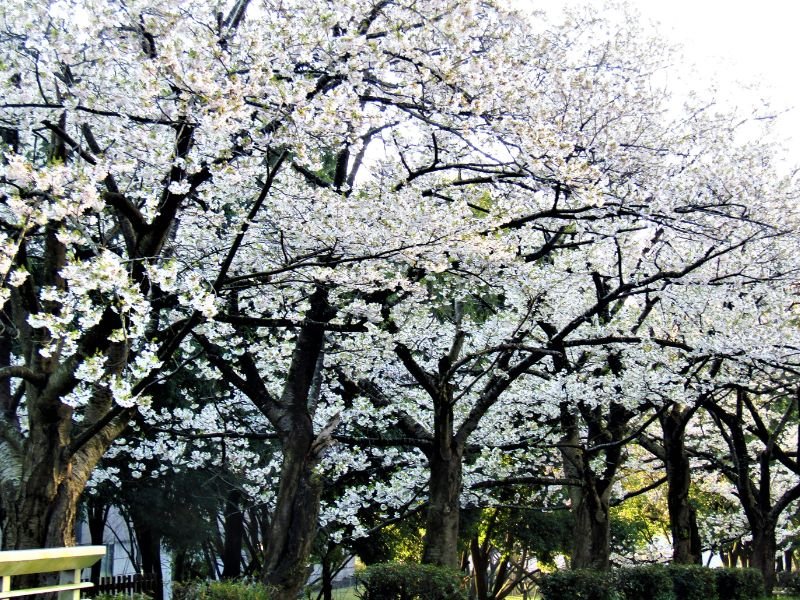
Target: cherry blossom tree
column 428, row 214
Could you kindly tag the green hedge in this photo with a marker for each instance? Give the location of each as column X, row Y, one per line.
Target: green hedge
column 579, row 585
column 739, row 584
column 789, row 580
column 219, row 590
column 407, row 581
column 654, row 582
column 693, row 582
column 651, row 582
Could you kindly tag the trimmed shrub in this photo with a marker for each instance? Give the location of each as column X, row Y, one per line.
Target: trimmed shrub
column 407, row 581
column 651, row 582
column 739, row 584
column 579, row 585
column 693, row 582
column 219, row 590
column 789, row 581
column 122, row 597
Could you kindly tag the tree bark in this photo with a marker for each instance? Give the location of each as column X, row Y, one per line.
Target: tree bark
column 293, row 527
column 234, row 535
column 592, row 528
column 441, row 529
column 763, row 551
column 97, row 511
column 590, row 509
column 480, row 568
column 682, row 516
column 294, row 523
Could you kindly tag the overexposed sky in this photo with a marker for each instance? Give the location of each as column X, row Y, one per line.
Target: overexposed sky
column 742, row 43
column 751, row 47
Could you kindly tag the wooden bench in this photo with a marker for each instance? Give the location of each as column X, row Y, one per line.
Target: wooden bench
column 68, row 562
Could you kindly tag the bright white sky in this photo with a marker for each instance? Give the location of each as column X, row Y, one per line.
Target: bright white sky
column 741, row 43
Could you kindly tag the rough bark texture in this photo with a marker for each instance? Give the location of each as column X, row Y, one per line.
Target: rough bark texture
column 764, row 549
column 591, row 500
column 294, row 523
column 682, row 516
column 441, row 528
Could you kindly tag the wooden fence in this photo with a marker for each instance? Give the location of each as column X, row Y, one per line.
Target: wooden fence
column 66, row 562
column 149, row 584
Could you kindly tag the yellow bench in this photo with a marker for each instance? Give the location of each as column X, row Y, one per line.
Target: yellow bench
column 68, row 562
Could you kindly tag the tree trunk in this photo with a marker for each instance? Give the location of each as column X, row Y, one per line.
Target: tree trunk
column 682, row 516
column 148, row 539
column 46, row 505
column 97, row 514
column 441, row 528
column 480, row 568
column 444, row 487
column 327, row 577
column 294, row 523
column 592, row 529
column 234, row 534
column 762, row 557
column 589, row 507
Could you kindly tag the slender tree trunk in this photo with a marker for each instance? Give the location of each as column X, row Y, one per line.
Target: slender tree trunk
column 480, row 568
column 327, row 578
column 148, row 539
column 682, row 516
column 97, row 514
column 234, row 536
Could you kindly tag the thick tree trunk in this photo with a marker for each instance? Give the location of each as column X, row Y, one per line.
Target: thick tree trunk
column 764, row 548
column 590, row 509
column 444, row 487
column 42, row 513
column 294, row 524
column 234, row 536
column 682, row 516
column 441, row 528
column 592, row 530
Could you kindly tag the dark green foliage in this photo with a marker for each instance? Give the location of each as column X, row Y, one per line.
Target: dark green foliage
column 219, row 590
column 790, row 581
column 543, row 534
column 407, row 581
column 579, row 585
column 739, row 584
column 693, row 582
column 122, row 597
column 652, row 582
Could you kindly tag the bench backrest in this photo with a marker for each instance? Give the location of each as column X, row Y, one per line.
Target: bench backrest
column 68, row 562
